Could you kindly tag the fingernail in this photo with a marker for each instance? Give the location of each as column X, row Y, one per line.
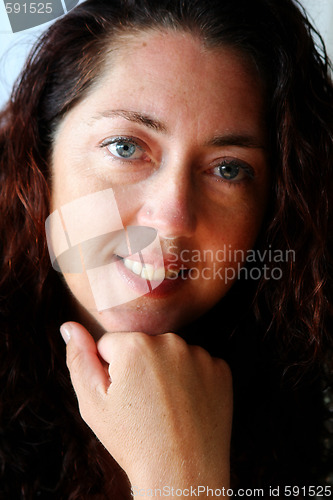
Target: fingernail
column 65, row 331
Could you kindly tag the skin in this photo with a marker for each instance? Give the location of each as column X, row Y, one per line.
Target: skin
column 162, row 408
column 199, row 98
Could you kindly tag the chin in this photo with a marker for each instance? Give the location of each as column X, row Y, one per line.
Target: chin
column 141, row 318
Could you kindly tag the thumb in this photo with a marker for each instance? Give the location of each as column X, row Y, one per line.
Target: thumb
column 87, row 373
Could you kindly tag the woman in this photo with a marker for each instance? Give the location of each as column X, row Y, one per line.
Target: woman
column 211, row 125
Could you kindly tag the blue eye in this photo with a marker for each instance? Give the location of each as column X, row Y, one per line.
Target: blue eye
column 124, row 148
column 233, row 171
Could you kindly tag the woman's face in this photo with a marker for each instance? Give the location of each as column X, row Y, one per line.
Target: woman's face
column 175, row 134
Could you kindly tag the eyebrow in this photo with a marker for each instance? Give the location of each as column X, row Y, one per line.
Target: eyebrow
column 134, row 116
column 232, row 139
column 242, row 140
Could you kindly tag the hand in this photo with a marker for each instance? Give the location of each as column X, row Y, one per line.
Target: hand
column 165, row 415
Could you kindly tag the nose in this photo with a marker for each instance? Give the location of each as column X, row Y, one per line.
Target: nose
column 169, row 202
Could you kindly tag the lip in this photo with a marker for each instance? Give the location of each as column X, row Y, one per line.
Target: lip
column 156, row 289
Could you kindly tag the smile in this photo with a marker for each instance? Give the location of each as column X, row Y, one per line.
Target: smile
column 148, row 272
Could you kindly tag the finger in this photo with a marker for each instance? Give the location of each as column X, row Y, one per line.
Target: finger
column 123, row 351
column 86, row 370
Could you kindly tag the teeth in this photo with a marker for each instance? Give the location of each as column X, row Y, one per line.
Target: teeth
column 159, row 274
column 128, row 263
column 148, row 272
column 137, row 268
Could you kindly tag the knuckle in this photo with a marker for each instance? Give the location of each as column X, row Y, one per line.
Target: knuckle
column 124, row 346
column 199, row 352
column 134, row 347
column 174, row 341
column 174, row 348
column 223, row 369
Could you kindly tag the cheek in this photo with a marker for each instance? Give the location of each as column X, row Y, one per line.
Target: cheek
column 79, row 285
column 72, row 176
column 229, row 235
column 241, row 230
column 69, row 187
column 238, row 225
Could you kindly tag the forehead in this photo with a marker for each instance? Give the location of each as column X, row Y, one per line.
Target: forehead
column 179, row 58
column 185, row 45
column 175, row 77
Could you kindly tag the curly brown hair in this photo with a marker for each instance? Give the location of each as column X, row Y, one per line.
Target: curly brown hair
column 45, row 448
